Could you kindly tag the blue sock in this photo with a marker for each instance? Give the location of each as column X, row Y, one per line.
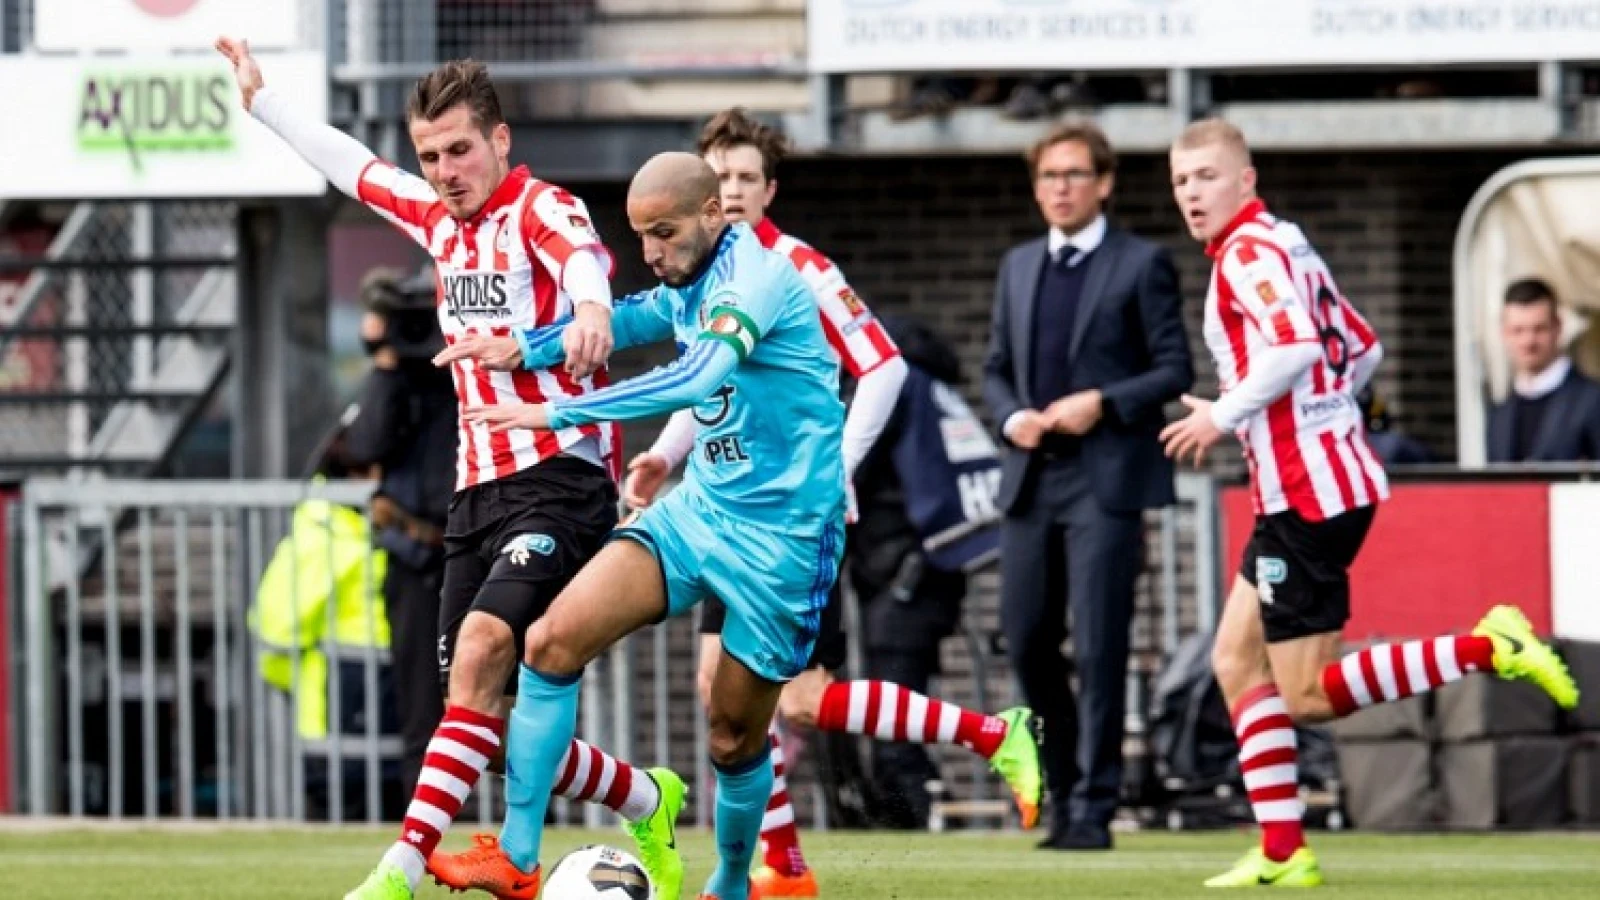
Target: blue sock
column 542, row 726
column 742, row 793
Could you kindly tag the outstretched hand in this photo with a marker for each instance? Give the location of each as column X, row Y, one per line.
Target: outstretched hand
column 587, row 340
column 506, row 416
column 647, row 473
column 245, row 70
column 501, row 354
column 1192, row 435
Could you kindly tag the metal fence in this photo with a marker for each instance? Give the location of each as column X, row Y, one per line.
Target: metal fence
column 142, row 696
column 114, row 308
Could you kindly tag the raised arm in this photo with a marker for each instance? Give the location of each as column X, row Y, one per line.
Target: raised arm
column 402, row 198
column 338, row 156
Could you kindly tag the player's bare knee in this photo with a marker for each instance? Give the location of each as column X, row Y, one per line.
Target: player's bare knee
column 484, row 657
column 731, row 742
column 1308, row 705
column 1234, row 668
column 798, row 704
column 548, row 651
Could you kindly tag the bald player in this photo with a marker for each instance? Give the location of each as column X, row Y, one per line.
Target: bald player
column 758, row 522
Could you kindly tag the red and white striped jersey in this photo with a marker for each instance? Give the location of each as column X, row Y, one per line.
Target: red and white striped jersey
column 855, row 333
column 1307, row 450
column 498, row 270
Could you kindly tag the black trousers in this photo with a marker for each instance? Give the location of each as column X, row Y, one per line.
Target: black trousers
column 411, row 601
column 1061, row 553
column 902, row 639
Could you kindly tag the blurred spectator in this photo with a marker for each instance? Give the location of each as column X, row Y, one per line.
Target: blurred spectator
column 939, row 95
column 327, row 559
column 1553, row 411
column 927, row 517
column 1037, row 98
column 1087, row 345
column 406, row 425
column 1393, row 447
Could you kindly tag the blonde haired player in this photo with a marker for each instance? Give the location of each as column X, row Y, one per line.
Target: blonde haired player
column 1291, row 354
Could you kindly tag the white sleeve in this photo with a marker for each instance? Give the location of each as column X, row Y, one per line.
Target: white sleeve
column 677, row 438
column 1273, row 372
column 1363, row 367
column 876, row 395
column 338, row 156
column 584, row 277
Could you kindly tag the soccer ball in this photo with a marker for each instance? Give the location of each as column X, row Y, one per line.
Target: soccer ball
column 598, row 873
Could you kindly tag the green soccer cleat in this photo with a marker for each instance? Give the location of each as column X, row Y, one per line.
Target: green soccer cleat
column 1017, row 761
column 1518, row 654
column 1255, row 870
column 657, row 837
column 387, row 882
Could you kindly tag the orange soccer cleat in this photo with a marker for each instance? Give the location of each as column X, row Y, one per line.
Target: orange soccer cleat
column 485, row 867
column 774, row 885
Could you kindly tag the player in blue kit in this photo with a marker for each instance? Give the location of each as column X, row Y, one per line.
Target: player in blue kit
column 758, row 521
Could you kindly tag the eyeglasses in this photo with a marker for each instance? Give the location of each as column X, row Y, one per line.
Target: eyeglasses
column 1068, row 176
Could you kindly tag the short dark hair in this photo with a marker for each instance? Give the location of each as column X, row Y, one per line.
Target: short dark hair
column 1531, row 292
column 452, row 84
column 735, row 128
column 1087, row 133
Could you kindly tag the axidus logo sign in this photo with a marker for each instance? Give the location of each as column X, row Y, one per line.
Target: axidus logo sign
column 141, row 113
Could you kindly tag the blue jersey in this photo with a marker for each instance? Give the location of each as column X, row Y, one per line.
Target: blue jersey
column 758, row 370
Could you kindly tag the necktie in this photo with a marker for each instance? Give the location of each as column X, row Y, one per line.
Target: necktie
column 1068, row 256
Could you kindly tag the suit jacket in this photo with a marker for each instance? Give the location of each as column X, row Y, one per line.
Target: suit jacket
column 1570, row 431
column 1128, row 340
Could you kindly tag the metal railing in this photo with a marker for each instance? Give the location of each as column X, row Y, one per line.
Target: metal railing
column 142, row 691
column 197, row 659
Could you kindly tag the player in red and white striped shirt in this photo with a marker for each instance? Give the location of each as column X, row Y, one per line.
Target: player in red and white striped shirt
column 745, row 155
column 1291, row 354
column 531, row 507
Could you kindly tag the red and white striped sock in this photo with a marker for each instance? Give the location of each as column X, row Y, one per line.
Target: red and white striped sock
column 591, row 775
column 1269, row 761
column 1385, row 672
column 461, row 748
column 889, row 712
column 780, row 840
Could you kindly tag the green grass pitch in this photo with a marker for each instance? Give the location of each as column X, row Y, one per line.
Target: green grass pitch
column 200, row 863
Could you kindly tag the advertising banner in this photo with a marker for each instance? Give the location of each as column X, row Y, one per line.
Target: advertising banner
column 62, row 26
column 1415, row 579
column 999, row 35
column 111, row 127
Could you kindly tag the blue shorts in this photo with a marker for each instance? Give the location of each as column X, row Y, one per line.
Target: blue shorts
column 774, row 584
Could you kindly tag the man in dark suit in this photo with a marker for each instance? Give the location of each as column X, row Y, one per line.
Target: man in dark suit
column 1087, row 345
column 1553, row 411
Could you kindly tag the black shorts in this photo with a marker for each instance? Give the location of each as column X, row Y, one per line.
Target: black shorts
column 512, row 544
column 1301, row 570
column 830, row 650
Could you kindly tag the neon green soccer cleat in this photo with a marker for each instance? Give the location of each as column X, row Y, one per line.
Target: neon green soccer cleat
column 1255, row 870
column 657, row 837
column 387, row 882
column 1017, row 761
column 1518, row 654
